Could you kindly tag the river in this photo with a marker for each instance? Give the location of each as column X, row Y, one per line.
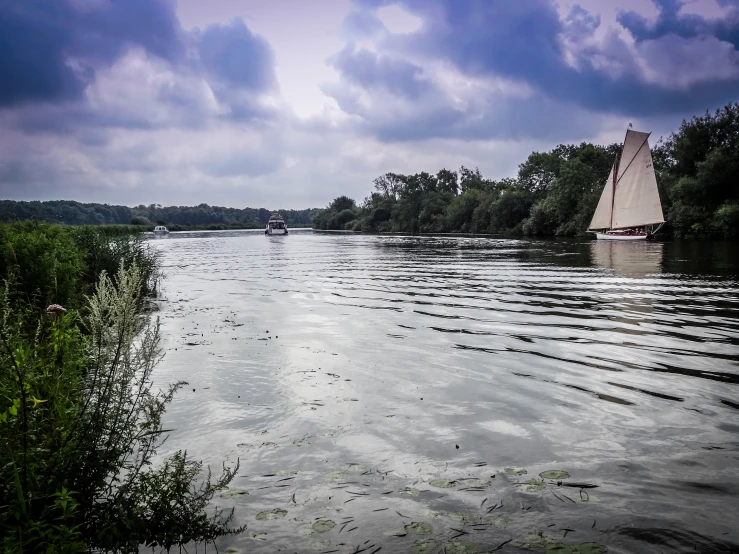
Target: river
column 407, row 393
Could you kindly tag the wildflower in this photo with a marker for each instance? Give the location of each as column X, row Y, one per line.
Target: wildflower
column 55, row 309
column 36, row 401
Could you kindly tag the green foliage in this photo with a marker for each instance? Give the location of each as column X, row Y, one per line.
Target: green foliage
column 43, row 261
column 556, row 192
column 53, row 264
column 81, row 424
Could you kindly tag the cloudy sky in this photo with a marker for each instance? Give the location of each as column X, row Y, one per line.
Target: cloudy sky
column 289, row 103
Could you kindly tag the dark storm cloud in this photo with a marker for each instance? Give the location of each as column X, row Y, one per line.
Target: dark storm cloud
column 671, row 22
column 238, row 56
column 522, row 41
column 369, row 70
column 51, row 51
column 40, row 41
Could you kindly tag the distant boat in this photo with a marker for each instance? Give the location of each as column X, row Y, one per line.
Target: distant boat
column 161, row 230
column 629, row 207
column 276, row 225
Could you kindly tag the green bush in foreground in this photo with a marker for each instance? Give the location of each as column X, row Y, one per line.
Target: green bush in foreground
column 81, row 424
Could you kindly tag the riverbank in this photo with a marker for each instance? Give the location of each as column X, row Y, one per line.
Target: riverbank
column 555, row 193
column 80, row 419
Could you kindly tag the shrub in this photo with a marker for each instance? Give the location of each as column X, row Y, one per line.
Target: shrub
column 81, row 425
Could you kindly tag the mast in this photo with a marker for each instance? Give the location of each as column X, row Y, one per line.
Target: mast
column 613, row 192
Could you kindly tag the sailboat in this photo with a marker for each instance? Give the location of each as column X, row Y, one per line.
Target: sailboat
column 629, row 207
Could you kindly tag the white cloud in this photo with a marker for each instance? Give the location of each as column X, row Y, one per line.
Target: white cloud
column 397, row 20
column 678, row 62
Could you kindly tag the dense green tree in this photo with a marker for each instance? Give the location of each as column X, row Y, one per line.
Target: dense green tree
column 555, row 192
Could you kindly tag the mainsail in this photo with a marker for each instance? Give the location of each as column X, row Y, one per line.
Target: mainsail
column 634, row 202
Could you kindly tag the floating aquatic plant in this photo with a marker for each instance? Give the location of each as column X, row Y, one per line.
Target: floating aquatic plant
column 463, row 518
column 515, row 471
column 424, row 546
column 408, row 491
column 301, row 442
column 287, row 473
column 533, row 485
column 501, row 521
column 460, row 547
column 536, row 540
column 233, row 493
column 419, row 528
column 323, row 525
column 477, row 483
column 397, row 533
column 335, row 475
column 275, row 513
column 556, row 474
column 443, row 483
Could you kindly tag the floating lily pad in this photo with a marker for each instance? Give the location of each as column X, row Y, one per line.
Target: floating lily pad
column 354, row 468
column 269, row 445
column 424, row 546
column 460, row 547
column 244, row 445
column 501, row 521
column 433, row 513
column 464, row 519
column 275, row 513
column 533, row 485
column 591, row 548
column 287, row 473
column 477, row 483
column 419, row 528
column 585, row 497
column 515, row 471
column 556, row 474
column 443, row 483
column 259, row 537
column 301, row 442
column 335, row 475
column 559, row 548
column 233, row 493
column 334, row 432
column 323, row 525
column 408, row 491
column 398, row 533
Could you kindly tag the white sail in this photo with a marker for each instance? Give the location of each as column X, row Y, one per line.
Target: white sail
column 636, row 201
column 602, row 215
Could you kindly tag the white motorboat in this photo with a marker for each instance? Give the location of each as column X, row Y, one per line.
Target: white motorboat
column 276, row 225
column 161, row 230
column 629, row 207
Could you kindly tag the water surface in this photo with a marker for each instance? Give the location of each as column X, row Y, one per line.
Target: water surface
column 353, row 375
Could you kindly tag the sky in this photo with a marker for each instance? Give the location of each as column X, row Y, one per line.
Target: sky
column 290, row 103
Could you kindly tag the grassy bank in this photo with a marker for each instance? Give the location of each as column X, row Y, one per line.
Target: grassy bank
column 79, row 418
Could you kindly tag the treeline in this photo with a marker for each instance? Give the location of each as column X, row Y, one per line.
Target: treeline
column 556, row 192
column 80, row 417
column 69, row 212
